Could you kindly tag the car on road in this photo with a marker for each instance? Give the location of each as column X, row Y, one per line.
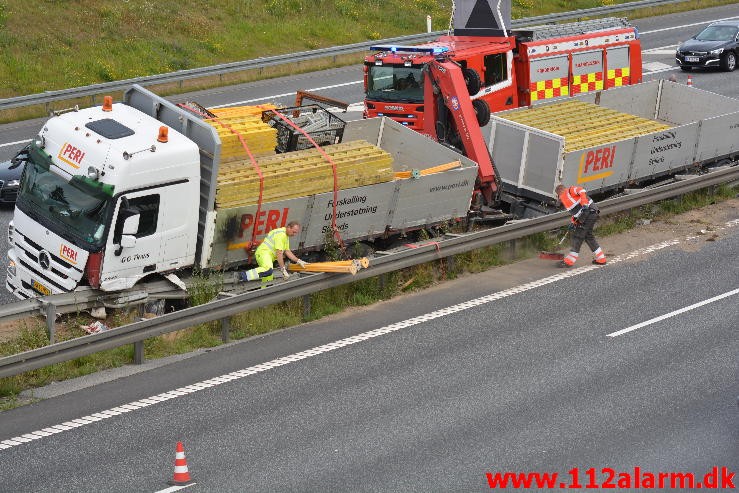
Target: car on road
column 10, row 176
column 715, row 46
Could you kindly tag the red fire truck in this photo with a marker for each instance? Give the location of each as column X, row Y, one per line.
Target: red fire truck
column 519, row 68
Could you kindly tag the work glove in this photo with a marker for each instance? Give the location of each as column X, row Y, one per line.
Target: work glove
column 302, row 263
column 571, row 227
column 285, row 273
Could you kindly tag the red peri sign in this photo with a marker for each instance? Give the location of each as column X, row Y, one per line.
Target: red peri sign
column 266, row 221
column 71, row 155
column 68, row 253
column 596, row 164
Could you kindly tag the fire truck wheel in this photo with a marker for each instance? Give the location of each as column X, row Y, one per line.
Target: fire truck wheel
column 482, row 110
column 472, row 79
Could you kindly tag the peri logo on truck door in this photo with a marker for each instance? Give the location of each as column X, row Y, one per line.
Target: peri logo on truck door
column 596, row 164
column 71, row 155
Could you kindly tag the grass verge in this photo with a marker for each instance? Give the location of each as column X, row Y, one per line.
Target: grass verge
column 154, row 43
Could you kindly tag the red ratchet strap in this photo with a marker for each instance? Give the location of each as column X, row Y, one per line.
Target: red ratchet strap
column 337, row 234
column 435, row 243
column 251, row 158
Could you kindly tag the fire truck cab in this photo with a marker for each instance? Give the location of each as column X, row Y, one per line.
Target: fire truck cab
column 519, row 68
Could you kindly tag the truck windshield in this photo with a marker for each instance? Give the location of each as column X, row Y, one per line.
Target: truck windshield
column 75, row 209
column 394, row 83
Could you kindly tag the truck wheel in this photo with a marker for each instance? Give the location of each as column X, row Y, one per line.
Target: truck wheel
column 482, row 110
column 472, row 79
column 728, row 61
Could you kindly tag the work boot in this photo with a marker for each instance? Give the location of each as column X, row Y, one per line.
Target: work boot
column 601, row 261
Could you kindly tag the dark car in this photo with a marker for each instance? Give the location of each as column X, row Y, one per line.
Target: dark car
column 715, row 46
column 10, row 175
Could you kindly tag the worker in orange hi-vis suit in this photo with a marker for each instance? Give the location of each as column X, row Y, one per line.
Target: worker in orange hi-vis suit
column 584, row 215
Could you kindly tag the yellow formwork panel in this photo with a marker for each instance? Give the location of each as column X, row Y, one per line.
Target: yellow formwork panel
column 305, row 172
column 584, row 124
column 237, row 111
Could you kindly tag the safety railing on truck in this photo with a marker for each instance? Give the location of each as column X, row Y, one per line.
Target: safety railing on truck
column 222, row 309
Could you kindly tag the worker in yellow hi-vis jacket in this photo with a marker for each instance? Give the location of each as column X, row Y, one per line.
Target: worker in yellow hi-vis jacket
column 275, row 246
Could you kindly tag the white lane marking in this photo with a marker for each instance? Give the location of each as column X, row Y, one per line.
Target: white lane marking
column 672, row 314
column 175, row 488
column 235, row 103
column 657, row 67
column 686, row 25
column 660, row 52
column 14, row 143
column 331, row 346
column 667, row 49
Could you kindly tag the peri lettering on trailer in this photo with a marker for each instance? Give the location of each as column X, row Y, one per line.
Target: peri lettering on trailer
column 579, row 44
column 71, row 155
column 266, row 221
column 596, row 164
column 68, row 253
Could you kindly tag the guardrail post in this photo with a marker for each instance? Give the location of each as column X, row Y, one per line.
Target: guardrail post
column 138, row 353
column 50, row 312
column 512, row 249
column 306, row 307
column 225, row 329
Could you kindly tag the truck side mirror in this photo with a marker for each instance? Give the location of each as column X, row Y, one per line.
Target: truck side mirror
column 130, row 228
column 128, row 241
column 131, row 224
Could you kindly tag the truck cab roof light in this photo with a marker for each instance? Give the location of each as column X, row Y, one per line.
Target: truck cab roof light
column 108, row 103
column 163, row 134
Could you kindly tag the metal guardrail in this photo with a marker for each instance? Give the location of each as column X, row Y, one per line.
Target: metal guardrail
column 217, row 70
column 137, row 332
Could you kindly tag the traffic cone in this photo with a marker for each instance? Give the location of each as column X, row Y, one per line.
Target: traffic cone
column 181, row 475
column 690, row 81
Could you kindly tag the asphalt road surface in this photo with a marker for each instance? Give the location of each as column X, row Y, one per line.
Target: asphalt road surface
column 612, row 368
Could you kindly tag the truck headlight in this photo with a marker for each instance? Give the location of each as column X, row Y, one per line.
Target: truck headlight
column 716, row 52
column 13, row 183
column 11, row 269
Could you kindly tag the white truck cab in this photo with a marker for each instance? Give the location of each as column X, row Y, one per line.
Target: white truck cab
column 108, row 197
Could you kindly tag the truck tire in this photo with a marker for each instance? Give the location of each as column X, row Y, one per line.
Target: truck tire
column 482, row 110
column 472, row 79
column 728, row 61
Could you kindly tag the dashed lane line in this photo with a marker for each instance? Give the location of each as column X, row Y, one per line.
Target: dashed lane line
column 275, row 363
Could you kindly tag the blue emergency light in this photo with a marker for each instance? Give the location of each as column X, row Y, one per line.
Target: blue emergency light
column 431, row 50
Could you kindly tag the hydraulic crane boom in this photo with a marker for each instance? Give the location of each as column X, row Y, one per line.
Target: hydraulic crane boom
column 447, row 103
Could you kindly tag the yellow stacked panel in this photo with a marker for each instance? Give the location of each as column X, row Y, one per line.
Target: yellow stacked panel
column 300, row 173
column 238, row 126
column 584, row 124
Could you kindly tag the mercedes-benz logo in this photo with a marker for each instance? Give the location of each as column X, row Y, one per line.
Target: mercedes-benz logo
column 44, row 259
